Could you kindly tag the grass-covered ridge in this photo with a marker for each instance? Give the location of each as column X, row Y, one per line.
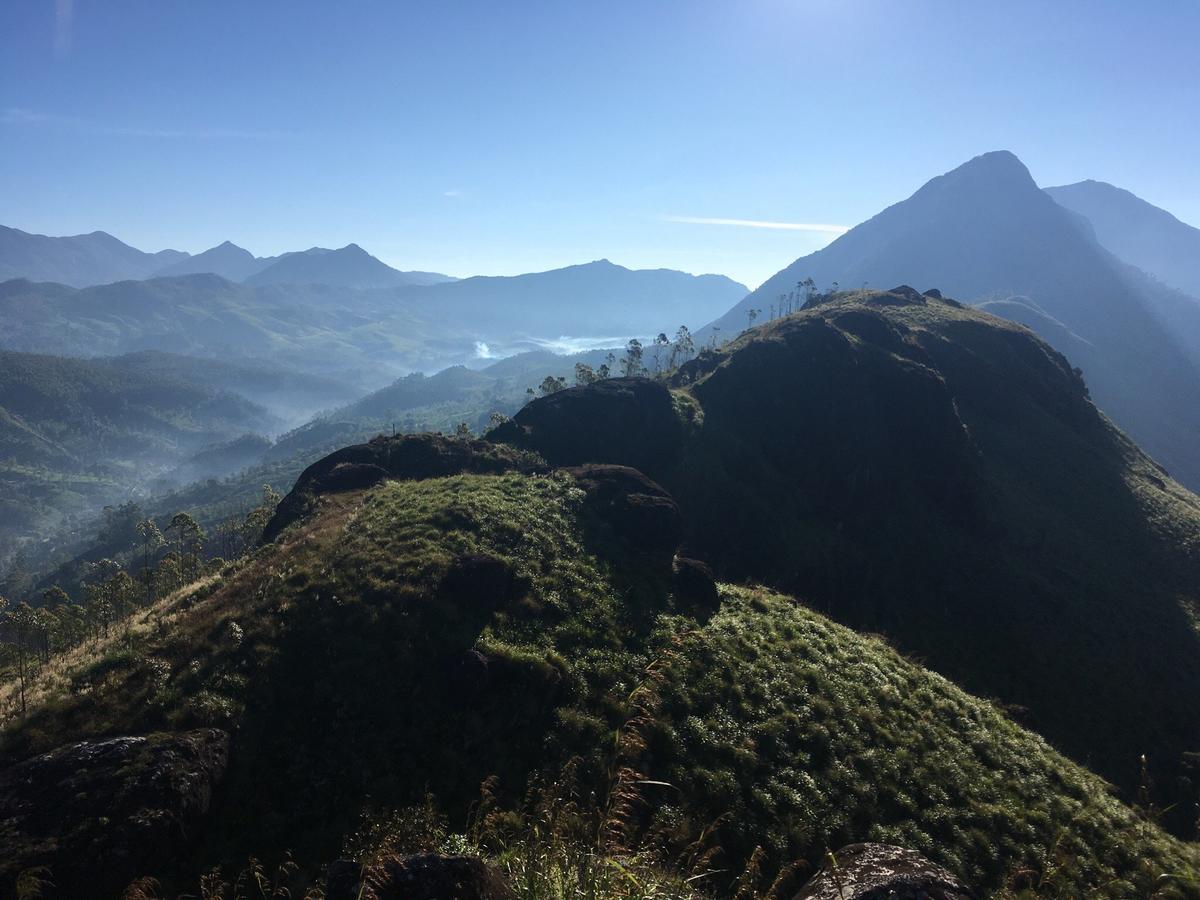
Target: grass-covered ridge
column 917, row 468
column 354, row 679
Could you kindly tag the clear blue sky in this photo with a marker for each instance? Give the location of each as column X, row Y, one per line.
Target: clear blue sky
column 500, row 137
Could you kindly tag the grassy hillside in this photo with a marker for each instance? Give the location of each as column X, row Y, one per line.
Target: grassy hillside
column 358, row 670
column 914, row 467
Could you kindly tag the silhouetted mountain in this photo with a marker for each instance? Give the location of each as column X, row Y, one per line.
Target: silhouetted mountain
column 351, row 266
column 227, row 260
column 80, row 260
column 986, row 233
column 1139, row 233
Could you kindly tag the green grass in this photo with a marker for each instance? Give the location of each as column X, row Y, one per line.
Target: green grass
column 618, row 737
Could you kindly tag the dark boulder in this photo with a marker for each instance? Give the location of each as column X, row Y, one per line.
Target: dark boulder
column 98, row 814
column 636, row 509
column 427, row 876
column 625, row 421
column 694, row 586
column 404, row 457
column 883, row 872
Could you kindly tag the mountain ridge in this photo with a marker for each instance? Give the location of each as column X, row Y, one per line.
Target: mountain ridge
column 984, row 232
column 1138, row 232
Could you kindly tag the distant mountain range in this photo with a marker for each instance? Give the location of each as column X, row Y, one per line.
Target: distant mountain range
column 99, row 258
column 83, row 259
column 366, row 337
column 351, row 266
column 1139, row 233
column 986, row 233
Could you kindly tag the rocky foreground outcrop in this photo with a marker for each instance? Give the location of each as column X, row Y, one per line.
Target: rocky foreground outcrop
column 882, row 872
column 86, row 819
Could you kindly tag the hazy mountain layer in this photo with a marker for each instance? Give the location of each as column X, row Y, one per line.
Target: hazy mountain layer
column 78, row 434
column 228, row 260
column 83, row 259
column 351, row 266
column 366, row 337
column 1139, row 233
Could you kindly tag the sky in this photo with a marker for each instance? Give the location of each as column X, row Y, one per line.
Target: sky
column 498, row 138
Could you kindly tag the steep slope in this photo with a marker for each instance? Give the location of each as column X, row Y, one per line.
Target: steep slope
column 351, row 266
column 926, row 470
column 80, row 260
column 407, row 642
column 1138, row 232
column 226, row 259
column 985, row 233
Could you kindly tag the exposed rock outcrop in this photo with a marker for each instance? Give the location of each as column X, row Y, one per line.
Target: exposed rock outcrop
column 97, row 814
column 883, row 872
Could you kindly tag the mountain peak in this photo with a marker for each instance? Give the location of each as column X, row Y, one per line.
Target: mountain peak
column 994, row 167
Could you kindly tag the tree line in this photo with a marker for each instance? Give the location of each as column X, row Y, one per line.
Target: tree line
column 162, row 560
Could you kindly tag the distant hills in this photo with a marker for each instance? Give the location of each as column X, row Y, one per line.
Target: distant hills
column 598, row 299
column 227, row 260
column 1139, row 233
column 99, row 258
column 351, row 266
column 77, row 434
column 986, row 233
column 78, row 261
column 365, row 337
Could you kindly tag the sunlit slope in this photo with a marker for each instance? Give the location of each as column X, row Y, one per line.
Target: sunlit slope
column 369, row 656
